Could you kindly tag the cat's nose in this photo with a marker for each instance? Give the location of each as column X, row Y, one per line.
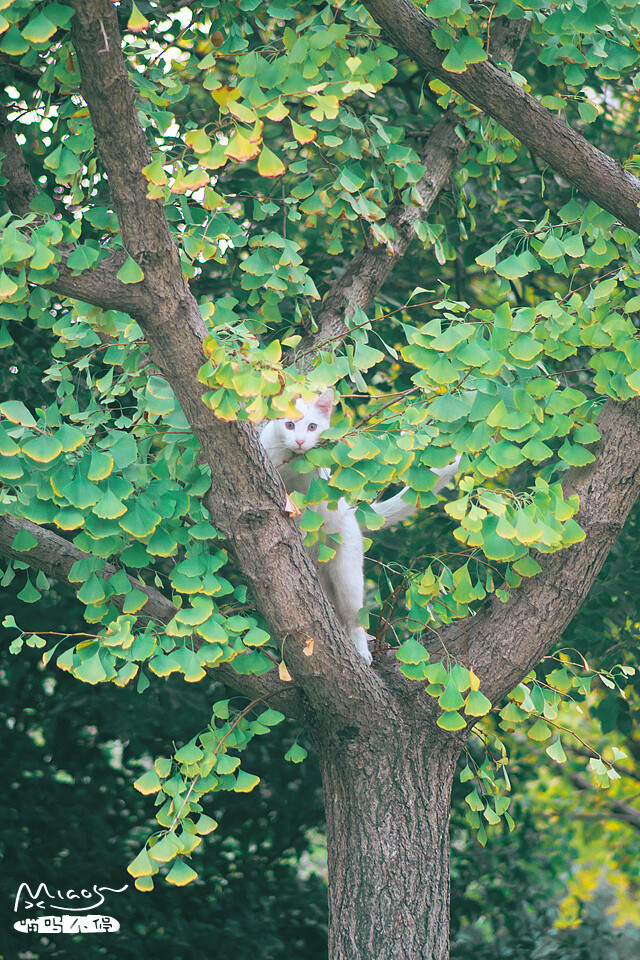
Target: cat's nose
column 300, row 443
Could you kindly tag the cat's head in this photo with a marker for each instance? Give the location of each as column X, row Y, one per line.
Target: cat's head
column 303, row 434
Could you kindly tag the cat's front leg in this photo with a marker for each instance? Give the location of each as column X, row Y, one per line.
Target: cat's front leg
column 360, row 639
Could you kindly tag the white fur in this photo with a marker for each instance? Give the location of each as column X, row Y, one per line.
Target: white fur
column 342, row 577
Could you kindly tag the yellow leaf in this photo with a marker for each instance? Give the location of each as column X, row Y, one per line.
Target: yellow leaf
column 283, row 673
column 7, row 287
column 223, row 95
column 308, row 647
column 137, row 22
column 475, row 681
column 190, row 181
column 303, row 134
column 256, row 133
column 241, row 112
column 279, row 112
column 144, row 884
column 241, row 149
column 269, row 165
column 198, row 141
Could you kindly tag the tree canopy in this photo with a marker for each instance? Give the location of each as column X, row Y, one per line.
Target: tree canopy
column 212, row 209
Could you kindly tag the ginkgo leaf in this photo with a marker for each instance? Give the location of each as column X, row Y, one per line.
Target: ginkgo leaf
column 23, row 541
column 181, row 874
column 130, row 272
column 39, row 29
column 301, row 133
column 16, row 412
column 283, row 673
column 223, row 95
column 142, row 866
column 198, row 141
column 269, row 165
column 42, row 449
column 241, row 112
column 7, row 286
column 295, row 754
column 241, row 148
column 245, row 782
column 137, row 23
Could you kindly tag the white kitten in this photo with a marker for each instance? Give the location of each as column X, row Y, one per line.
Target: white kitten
column 342, row 577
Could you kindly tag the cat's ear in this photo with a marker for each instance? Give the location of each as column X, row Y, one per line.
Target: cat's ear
column 324, row 403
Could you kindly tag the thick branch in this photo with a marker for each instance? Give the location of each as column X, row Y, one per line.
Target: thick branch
column 247, row 498
column 99, row 285
column 508, row 639
column 55, row 556
column 596, row 175
column 371, row 266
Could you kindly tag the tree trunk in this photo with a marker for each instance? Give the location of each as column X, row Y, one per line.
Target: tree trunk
column 387, row 801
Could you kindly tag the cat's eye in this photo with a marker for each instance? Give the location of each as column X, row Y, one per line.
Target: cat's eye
column 312, row 426
column 289, row 424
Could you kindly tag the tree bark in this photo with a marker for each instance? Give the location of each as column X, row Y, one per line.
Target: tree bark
column 387, row 799
column 597, row 175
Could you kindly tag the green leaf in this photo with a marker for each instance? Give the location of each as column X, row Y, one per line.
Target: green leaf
column 23, row 541
column 451, row 721
column 39, row 29
column 512, row 268
column 245, row 782
column 448, row 408
column 148, row 783
column 14, row 43
column 190, row 753
column 556, row 752
column 181, row 874
column 271, row 718
column 527, row 567
column 29, row 594
column 576, row 455
column 412, row 652
column 139, row 521
column 166, row 849
column 142, row 865
column 91, row 671
column 227, row 764
column 296, row 753
column 130, row 272
column 477, row 704
column 16, row 412
column 539, row 731
column 453, row 62
column 451, row 698
column 471, row 50
column 42, row 449
column 82, row 258
column 205, row 825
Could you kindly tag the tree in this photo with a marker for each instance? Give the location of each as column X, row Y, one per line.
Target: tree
column 143, row 151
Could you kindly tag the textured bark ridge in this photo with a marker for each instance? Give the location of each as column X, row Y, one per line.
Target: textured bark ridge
column 387, row 802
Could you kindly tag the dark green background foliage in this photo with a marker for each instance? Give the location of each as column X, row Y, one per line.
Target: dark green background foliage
column 71, row 819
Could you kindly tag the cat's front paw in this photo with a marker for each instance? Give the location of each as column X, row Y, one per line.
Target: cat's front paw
column 360, row 639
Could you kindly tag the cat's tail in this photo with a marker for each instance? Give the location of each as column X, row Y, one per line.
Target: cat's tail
column 396, row 509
